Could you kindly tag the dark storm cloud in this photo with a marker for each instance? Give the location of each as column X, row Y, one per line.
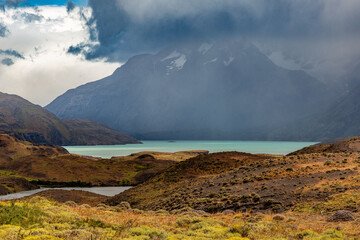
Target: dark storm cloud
column 14, row 3
column 7, row 62
column 70, row 6
column 80, row 49
column 3, row 30
column 90, row 24
column 12, row 53
column 76, row 50
column 125, row 28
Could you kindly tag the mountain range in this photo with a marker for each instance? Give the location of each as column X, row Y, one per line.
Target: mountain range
column 33, row 123
column 224, row 89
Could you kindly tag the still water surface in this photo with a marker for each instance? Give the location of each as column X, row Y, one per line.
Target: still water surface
column 107, row 191
column 270, row 147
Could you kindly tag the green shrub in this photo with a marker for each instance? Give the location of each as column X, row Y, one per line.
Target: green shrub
column 20, row 215
column 150, row 233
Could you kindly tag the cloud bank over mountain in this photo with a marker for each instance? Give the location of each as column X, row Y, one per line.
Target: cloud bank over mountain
column 126, row 28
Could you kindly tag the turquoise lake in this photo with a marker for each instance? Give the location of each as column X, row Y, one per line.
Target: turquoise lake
column 269, row 147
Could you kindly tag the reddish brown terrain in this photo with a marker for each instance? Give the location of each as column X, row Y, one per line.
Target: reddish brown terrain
column 241, row 181
column 54, row 166
column 78, row 197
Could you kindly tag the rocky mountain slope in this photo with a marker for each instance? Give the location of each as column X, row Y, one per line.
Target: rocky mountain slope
column 202, row 90
column 33, row 123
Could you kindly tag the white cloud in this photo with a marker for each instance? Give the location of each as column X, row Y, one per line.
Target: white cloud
column 47, row 70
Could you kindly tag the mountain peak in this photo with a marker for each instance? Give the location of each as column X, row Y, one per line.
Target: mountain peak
column 203, row 89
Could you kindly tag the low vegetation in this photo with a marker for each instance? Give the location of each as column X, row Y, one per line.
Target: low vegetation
column 240, row 181
column 38, row 218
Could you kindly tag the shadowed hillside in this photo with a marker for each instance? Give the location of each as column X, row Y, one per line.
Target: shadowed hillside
column 33, row 123
column 340, row 119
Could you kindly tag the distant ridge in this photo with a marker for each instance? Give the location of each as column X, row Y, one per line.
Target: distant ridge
column 339, row 120
column 31, row 122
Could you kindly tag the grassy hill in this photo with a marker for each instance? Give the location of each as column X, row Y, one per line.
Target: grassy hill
column 34, row 123
column 247, row 182
column 54, row 166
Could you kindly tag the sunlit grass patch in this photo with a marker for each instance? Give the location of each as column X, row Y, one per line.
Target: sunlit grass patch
column 349, row 201
column 21, row 215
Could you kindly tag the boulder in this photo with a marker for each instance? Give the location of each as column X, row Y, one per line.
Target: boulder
column 340, row 216
column 228, row 212
column 279, row 217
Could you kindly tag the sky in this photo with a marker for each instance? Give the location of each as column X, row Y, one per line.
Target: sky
column 34, row 62
column 49, row 46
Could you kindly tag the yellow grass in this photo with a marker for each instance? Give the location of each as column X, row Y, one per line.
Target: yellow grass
column 70, row 221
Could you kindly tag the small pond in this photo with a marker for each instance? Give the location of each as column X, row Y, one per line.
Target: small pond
column 107, row 191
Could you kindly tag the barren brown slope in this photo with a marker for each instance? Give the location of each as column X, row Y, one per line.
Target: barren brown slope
column 342, row 146
column 79, row 197
column 33, row 123
column 54, row 166
column 47, row 165
column 240, row 181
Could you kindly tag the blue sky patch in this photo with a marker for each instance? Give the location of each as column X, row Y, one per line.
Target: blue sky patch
column 55, row 2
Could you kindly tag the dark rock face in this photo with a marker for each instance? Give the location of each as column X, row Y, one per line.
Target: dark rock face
column 341, row 216
column 32, row 137
column 203, row 90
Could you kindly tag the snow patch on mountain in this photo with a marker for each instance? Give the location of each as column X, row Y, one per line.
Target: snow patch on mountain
column 179, row 62
column 279, row 59
column 210, row 61
column 174, row 54
column 230, row 60
column 204, row 48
